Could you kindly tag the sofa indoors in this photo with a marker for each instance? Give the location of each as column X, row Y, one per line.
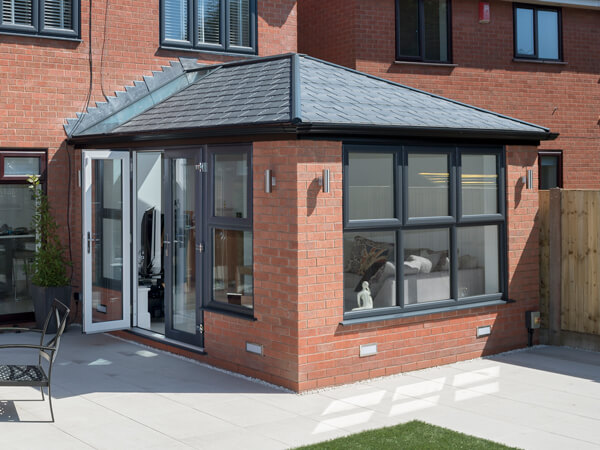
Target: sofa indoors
column 426, row 274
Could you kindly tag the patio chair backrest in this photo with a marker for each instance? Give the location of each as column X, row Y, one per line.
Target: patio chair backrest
column 60, row 312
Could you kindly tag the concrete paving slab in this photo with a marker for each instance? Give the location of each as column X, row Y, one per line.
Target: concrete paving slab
column 114, row 394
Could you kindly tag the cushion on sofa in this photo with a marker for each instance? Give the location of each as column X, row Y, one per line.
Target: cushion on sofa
column 364, row 253
column 418, row 264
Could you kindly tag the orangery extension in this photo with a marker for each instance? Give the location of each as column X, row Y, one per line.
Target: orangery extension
column 304, row 223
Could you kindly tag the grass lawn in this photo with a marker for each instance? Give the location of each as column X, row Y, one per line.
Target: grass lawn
column 411, row 435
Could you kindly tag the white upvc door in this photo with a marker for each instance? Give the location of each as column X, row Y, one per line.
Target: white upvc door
column 106, row 240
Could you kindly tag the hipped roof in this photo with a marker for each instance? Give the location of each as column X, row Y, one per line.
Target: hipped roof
column 289, row 93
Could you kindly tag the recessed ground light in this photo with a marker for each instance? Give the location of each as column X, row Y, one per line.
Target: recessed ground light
column 368, row 350
column 254, row 348
column 484, row 331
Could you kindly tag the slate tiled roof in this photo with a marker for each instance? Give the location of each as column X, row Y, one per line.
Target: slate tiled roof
column 305, row 94
column 334, row 95
column 239, row 94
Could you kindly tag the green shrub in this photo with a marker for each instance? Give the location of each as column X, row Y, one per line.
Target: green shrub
column 49, row 265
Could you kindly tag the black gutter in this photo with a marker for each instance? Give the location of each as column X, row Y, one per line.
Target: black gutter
column 453, row 133
column 187, row 133
column 302, row 130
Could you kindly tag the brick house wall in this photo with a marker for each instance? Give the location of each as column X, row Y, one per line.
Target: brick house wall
column 563, row 97
column 44, row 81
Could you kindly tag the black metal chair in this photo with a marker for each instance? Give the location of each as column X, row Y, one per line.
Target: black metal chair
column 35, row 375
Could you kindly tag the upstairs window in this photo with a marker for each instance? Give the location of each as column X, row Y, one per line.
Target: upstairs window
column 423, row 30
column 537, row 32
column 54, row 18
column 218, row 25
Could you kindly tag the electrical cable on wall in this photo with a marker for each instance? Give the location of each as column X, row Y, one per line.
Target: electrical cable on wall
column 91, row 65
column 104, row 38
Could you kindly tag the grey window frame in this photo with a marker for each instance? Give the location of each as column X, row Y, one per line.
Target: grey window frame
column 535, row 9
column 456, row 220
column 421, row 32
column 192, row 26
column 14, row 153
column 38, row 28
column 229, row 223
column 558, row 154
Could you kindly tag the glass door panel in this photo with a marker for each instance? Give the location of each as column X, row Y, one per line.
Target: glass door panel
column 106, row 241
column 182, row 260
column 183, row 245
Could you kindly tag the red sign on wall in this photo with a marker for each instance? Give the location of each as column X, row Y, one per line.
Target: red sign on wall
column 484, row 12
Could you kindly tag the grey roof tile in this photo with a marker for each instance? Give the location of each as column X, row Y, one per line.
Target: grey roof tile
column 260, row 91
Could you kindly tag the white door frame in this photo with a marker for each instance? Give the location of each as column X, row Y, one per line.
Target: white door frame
column 87, row 156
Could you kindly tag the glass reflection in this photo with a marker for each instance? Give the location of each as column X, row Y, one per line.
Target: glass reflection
column 478, row 262
column 426, row 266
column 233, row 281
column 427, row 185
column 479, row 184
column 524, row 31
column 371, row 186
column 369, row 257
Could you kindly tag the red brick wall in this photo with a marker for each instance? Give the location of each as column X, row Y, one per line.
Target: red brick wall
column 562, row 97
column 45, row 81
column 297, row 250
column 327, row 30
column 329, row 352
column 298, row 273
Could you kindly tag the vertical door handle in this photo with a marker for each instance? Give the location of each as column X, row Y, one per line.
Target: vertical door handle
column 166, row 244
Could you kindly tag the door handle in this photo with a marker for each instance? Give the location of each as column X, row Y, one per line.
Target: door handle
column 166, row 244
column 90, row 239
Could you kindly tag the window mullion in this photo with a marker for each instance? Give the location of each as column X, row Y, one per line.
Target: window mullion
column 225, row 24
column 193, row 22
column 421, row 31
column 535, row 33
column 400, row 268
column 453, row 264
column 36, row 10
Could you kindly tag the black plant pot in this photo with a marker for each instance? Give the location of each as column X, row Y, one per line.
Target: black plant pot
column 42, row 302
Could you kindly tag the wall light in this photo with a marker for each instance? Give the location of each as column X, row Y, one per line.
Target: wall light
column 269, row 181
column 528, row 179
column 324, row 180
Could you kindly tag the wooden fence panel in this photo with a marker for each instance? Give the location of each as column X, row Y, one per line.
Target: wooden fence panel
column 580, row 225
column 544, row 223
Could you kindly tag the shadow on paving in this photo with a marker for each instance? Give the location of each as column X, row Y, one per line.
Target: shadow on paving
column 561, row 360
column 101, row 363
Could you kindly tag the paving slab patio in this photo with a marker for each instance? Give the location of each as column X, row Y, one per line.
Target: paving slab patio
column 113, row 394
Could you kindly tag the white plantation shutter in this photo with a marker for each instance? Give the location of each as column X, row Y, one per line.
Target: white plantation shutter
column 17, row 12
column 58, row 14
column 209, row 20
column 176, row 19
column 239, row 23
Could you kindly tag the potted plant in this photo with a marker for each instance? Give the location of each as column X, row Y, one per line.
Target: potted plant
column 48, row 267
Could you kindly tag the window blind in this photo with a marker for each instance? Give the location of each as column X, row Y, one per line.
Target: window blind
column 176, row 18
column 209, row 15
column 17, row 12
column 239, row 23
column 58, row 14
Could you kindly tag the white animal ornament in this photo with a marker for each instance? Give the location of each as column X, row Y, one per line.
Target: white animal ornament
column 363, row 298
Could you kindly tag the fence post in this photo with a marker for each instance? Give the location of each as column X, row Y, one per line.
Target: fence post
column 555, row 258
